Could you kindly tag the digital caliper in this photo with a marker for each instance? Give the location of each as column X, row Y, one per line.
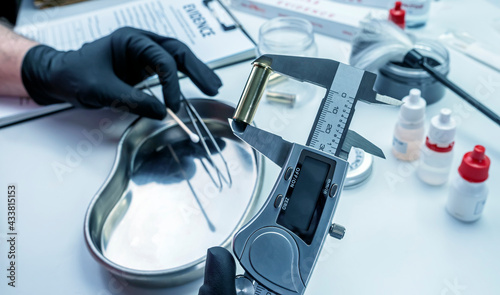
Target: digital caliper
column 279, row 247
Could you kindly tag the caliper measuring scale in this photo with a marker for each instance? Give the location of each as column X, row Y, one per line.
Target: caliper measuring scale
column 279, row 247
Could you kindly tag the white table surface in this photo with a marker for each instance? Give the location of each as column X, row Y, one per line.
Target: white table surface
column 399, row 239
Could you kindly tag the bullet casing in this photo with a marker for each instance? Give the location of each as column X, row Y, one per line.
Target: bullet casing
column 282, row 98
column 252, row 94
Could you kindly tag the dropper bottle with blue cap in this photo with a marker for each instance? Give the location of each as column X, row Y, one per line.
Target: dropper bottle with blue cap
column 409, row 131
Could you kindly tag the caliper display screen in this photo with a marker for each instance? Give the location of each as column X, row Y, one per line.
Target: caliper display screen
column 305, row 198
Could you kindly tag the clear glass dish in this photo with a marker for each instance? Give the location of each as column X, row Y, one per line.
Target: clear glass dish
column 288, row 36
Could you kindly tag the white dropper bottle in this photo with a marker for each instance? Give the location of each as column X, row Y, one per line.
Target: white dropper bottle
column 409, row 131
column 437, row 153
column 468, row 190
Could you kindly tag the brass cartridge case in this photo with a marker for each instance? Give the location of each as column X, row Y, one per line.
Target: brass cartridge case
column 252, row 93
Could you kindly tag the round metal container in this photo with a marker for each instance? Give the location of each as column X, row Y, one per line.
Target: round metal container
column 157, row 213
column 396, row 80
column 360, row 168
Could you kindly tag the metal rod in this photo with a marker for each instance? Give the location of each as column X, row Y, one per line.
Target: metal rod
column 212, row 139
column 198, row 137
column 174, row 155
column 204, row 144
column 194, row 138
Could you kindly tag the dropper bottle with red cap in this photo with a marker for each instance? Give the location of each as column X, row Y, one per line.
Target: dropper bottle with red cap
column 468, row 191
column 437, row 152
column 397, row 15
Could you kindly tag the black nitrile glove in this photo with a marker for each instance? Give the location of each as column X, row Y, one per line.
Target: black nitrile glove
column 220, row 271
column 102, row 73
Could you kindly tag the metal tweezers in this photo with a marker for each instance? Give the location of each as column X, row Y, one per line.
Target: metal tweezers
column 193, row 117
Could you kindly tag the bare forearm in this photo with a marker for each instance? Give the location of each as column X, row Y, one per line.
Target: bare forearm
column 12, row 50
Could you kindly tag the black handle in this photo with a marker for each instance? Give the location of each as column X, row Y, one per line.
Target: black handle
column 415, row 59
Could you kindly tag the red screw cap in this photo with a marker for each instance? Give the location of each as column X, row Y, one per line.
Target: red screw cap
column 475, row 165
column 397, row 15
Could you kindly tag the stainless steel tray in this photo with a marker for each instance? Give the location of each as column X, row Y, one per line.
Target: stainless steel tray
column 147, row 224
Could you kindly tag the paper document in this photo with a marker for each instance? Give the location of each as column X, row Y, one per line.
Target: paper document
column 189, row 21
column 204, row 28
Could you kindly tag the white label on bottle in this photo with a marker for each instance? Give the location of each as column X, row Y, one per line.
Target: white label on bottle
column 399, row 146
column 416, row 7
column 479, row 207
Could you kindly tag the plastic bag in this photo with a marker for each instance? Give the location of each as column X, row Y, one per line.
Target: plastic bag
column 379, row 42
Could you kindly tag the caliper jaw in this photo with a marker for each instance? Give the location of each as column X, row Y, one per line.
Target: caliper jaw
column 278, row 254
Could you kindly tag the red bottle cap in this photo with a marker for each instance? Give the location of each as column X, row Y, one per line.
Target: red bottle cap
column 475, row 165
column 438, row 149
column 397, row 15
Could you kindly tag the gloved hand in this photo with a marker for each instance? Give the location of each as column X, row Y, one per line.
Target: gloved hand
column 102, row 73
column 220, row 271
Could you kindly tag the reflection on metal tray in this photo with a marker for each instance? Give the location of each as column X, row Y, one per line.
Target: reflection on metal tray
column 157, row 213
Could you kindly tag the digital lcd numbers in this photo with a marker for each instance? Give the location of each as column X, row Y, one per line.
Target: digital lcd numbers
column 305, row 198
